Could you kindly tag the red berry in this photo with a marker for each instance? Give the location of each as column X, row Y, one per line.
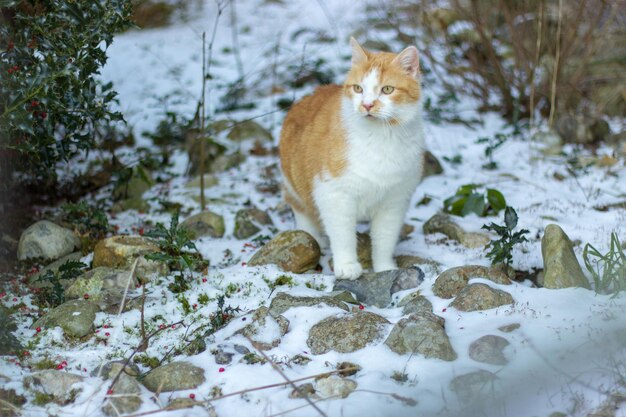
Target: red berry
column 110, row 392
column 26, row 353
column 86, row 296
column 140, row 231
column 361, row 306
column 14, row 299
column 106, row 326
column 2, row 294
column 221, row 370
column 38, row 329
column 161, row 326
column 204, row 279
column 173, row 326
column 192, row 395
column 59, row 366
column 243, row 264
column 195, row 306
column 64, row 363
column 107, row 334
column 443, row 310
column 44, row 115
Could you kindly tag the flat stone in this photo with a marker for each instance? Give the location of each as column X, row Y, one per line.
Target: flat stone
column 489, row 349
column 249, row 222
column 61, row 385
column 293, row 251
column 415, row 303
column 265, row 330
column 283, row 302
column 75, row 317
column 347, row 332
column 451, row 281
column 334, row 387
column 421, row 333
column 475, row 297
column 561, row 268
column 47, row 240
column 125, row 399
column 174, row 376
column 443, row 223
column 509, row 327
column 206, row 223
column 111, row 369
column 376, row 288
column 248, row 130
column 105, row 286
column 120, row 252
column 472, row 385
column 302, row 391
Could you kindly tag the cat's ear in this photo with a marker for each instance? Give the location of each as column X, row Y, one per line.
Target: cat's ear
column 409, row 60
column 358, row 53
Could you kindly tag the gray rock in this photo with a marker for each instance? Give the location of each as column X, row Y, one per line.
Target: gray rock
column 474, row 385
column 249, row 221
column 225, row 352
column 212, row 151
column 75, row 317
column 443, row 223
column 561, row 268
column 334, row 386
column 33, row 280
column 347, row 332
column 125, row 399
column 509, row 327
column 111, row 369
column 47, row 240
column 407, row 261
column 376, row 288
column 292, row 250
column 415, row 303
column 421, row 333
column 432, row 166
column 451, row 281
column 105, row 286
column 283, row 302
column 223, row 358
column 227, row 161
column 205, row 224
column 489, row 349
column 265, row 330
column 184, row 403
column 249, row 129
column 302, row 391
column 121, row 251
column 477, row 296
column 62, row 386
column 174, row 376
column 9, row 345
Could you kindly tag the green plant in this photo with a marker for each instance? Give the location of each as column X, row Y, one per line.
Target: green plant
column 608, row 270
column 203, row 299
column 493, row 143
column 89, row 221
column 174, row 244
column 171, row 130
column 222, row 315
column 281, row 280
column 184, row 303
column 55, row 295
column 467, row 200
column 53, row 107
column 501, row 249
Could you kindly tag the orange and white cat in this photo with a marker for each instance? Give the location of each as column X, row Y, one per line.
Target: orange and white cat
column 354, row 152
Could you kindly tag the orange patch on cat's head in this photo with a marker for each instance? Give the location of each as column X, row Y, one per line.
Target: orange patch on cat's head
column 400, row 71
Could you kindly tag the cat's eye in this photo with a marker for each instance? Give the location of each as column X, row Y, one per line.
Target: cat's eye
column 357, row 88
column 388, row 89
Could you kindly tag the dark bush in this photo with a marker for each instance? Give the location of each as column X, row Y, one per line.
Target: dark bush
column 52, row 105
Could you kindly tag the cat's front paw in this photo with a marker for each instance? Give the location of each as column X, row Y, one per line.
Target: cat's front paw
column 348, row 270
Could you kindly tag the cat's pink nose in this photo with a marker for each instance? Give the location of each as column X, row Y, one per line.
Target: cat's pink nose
column 368, row 107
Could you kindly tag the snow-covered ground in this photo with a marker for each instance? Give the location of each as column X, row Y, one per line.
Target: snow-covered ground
column 569, row 352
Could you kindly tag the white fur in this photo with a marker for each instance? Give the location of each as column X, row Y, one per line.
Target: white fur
column 384, row 167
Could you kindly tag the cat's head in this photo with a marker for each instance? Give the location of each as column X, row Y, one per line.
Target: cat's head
column 383, row 87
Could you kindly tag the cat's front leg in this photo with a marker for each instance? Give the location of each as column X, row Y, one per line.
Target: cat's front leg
column 385, row 229
column 338, row 214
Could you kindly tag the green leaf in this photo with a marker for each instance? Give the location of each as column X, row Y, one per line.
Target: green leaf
column 496, row 200
column 475, row 204
column 454, row 205
column 510, row 218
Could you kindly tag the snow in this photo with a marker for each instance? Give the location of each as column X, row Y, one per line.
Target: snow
column 566, row 356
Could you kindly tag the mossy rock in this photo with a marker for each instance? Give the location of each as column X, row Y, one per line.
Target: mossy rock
column 249, row 129
column 292, row 250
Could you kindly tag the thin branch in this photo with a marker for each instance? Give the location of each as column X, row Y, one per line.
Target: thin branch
column 280, row 371
column 556, row 66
